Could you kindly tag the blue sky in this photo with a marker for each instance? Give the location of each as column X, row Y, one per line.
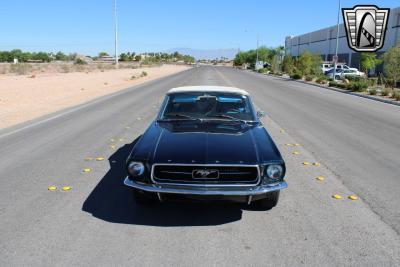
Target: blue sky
column 86, row 26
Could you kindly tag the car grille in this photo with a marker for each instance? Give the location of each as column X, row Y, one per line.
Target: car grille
column 205, row 174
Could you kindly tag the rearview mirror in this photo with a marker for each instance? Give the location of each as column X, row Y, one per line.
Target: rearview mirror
column 260, row 114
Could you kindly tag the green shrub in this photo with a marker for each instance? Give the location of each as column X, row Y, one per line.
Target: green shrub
column 80, row 61
column 309, row 78
column 321, row 79
column 332, row 84
column 373, row 81
column 391, row 65
column 144, row 73
column 372, row 91
column 386, row 92
column 338, row 85
column 353, row 78
column 296, row 76
column 357, row 86
column 396, row 95
column 288, row 65
column 262, row 70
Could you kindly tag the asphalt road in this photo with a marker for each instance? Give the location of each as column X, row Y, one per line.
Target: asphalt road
column 96, row 222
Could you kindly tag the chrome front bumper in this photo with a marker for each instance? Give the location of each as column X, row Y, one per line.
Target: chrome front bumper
column 206, row 191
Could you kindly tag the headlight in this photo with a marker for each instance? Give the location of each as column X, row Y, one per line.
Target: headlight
column 274, row 172
column 135, row 168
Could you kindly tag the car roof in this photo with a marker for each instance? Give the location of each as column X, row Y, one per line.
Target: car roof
column 207, row 88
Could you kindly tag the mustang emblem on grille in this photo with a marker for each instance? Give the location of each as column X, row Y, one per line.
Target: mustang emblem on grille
column 205, row 174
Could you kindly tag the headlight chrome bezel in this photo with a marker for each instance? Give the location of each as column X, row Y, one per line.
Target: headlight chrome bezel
column 135, row 168
column 269, row 177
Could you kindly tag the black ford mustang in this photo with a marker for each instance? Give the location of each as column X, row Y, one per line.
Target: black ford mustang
column 206, row 143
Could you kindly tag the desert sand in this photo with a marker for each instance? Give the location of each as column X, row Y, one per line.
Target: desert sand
column 25, row 97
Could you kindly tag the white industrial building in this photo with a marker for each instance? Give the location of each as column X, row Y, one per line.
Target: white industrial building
column 324, row 41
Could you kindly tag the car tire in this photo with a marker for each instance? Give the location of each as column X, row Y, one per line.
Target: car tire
column 270, row 201
column 143, row 198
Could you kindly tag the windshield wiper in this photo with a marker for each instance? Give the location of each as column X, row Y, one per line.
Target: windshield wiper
column 177, row 116
column 228, row 117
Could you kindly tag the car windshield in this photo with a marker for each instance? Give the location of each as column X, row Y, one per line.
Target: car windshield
column 208, row 106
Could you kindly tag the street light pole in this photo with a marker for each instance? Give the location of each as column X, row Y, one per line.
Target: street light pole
column 337, row 43
column 116, row 33
column 255, row 67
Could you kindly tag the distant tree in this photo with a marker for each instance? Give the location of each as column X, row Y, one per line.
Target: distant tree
column 45, row 57
column 305, row 63
column 368, row 61
column 176, row 54
column 391, row 60
column 61, row 56
column 80, row 61
column 316, row 64
column 239, row 59
column 72, row 56
column 125, row 57
column 288, row 64
column 103, row 54
column 275, row 64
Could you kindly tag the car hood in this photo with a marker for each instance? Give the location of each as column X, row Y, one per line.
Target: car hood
column 225, row 144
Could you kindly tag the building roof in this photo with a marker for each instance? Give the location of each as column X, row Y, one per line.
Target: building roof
column 218, row 89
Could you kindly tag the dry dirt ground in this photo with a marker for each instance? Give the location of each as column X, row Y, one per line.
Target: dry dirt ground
column 25, row 97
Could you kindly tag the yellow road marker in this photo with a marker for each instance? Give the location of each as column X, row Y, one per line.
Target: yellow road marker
column 127, row 127
column 88, row 158
column 121, row 139
column 353, row 197
column 320, row 178
column 296, row 153
column 289, row 144
column 112, row 146
column 112, row 140
column 282, row 131
column 52, row 188
column 66, row 188
column 87, row 170
column 306, row 163
column 317, row 164
column 99, row 158
column 296, row 144
column 337, row 196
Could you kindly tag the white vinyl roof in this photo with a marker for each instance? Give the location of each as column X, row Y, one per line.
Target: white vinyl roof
column 204, row 89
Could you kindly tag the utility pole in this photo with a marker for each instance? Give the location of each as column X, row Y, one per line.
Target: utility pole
column 116, row 33
column 337, row 44
column 257, row 52
column 255, row 66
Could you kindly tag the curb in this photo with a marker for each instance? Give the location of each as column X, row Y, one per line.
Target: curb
column 392, row 102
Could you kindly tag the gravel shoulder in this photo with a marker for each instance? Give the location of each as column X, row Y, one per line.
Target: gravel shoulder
column 25, row 97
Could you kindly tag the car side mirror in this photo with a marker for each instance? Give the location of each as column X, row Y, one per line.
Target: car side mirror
column 260, row 114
